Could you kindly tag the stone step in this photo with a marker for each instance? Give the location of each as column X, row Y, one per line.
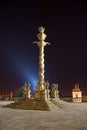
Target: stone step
column 30, row 104
column 59, row 103
column 51, row 105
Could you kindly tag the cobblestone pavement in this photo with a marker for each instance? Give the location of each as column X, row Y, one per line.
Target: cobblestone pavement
column 72, row 117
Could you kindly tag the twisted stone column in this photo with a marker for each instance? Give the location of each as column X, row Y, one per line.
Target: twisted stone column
column 41, row 43
column 41, row 64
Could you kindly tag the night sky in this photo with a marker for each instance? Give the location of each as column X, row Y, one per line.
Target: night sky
column 65, row 24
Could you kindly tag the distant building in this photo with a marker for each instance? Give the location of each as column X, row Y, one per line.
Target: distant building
column 6, row 96
column 76, row 94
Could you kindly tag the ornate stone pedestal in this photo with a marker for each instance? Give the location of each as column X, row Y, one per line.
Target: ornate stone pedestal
column 42, row 93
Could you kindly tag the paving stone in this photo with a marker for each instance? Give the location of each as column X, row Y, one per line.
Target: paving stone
column 72, row 117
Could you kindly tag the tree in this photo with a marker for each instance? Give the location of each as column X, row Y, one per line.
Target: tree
column 19, row 92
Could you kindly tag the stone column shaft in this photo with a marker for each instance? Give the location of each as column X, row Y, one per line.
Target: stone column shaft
column 40, row 88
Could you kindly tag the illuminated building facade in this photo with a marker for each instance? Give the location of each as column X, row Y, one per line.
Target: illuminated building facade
column 76, row 94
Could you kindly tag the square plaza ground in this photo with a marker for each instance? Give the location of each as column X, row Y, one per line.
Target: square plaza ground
column 71, row 117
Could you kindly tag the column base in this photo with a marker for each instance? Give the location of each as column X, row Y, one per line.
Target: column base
column 41, row 95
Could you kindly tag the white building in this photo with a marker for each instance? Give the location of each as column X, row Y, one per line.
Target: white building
column 76, row 94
